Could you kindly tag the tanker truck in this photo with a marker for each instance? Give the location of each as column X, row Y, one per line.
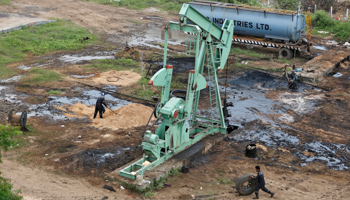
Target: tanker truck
column 265, row 27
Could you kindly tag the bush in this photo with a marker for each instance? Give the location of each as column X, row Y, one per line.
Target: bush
column 287, row 4
column 6, row 192
column 321, row 19
column 6, row 132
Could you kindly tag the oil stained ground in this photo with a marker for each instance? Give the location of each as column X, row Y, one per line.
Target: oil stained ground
column 252, row 112
column 107, row 159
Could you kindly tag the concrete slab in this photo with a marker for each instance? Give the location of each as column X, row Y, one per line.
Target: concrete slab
column 183, row 158
column 14, row 21
column 315, row 69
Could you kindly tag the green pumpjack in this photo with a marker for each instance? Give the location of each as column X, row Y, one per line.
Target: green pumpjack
column 181, row 127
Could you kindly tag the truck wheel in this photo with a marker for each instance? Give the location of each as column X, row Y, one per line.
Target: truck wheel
column 285, row 53
column 245, row 185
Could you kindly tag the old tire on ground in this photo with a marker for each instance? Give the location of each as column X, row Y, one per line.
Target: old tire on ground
column 285, row 53
column 245, row 185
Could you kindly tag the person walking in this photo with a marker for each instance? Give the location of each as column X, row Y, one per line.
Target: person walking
column 261, row 183
column 99, row 105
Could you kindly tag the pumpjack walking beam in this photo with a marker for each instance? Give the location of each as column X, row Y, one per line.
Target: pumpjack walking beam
column 179, row 128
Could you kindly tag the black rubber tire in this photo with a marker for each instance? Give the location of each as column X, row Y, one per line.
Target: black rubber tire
column 172, row 92
column 245, row 185
column 285, row 53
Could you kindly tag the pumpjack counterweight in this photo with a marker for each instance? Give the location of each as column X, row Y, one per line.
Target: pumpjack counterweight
column 181, row 127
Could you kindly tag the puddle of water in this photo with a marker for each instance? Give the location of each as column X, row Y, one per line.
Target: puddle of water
column 23, row 67
column 41, row 65
column 269, row 136
column 286, row 118
column 73, row 59
column 155, row 34
column 109, row 159
column 320, row 47
column 89, row 98
column 299, row 103
column 3, row 87
column 326, row 152
column 82, row 76
column 12, row 79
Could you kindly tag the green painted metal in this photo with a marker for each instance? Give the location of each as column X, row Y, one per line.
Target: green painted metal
column 180, row 128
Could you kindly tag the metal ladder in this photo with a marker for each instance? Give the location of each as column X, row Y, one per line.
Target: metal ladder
column 212, row 81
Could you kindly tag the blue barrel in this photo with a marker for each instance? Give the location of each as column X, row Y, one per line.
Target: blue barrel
column 270, row 24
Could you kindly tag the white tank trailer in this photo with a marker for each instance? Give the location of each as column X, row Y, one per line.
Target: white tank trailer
column 265, row 27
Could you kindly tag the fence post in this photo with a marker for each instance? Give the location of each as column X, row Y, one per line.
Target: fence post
column 331, row 12
column 315, row 8
column 347, row 14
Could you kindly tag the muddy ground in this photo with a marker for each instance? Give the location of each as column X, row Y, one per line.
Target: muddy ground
column 302, row 135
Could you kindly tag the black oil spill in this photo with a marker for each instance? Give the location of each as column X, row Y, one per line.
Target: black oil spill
column 109, row 159
column 251, row 111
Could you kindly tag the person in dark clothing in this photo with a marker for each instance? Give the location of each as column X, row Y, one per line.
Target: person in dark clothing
column 99, row 106
column 261, row 183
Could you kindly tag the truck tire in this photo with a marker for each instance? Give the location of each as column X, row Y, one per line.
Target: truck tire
column 245, row 185
column 285, row 53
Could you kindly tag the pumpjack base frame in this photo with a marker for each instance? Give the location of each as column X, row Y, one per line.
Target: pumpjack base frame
column 137, row 167
column 179, row 160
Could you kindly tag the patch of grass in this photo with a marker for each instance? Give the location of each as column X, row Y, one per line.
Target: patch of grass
column 178, row 83
column 219, row 172
column 224, row 181
column 285, row 61
column 5, row 2
column 250, row 53
column 174, row 172
column 117, row 64
column 144, row 90
column 240, row 67
column 54, row 92
column 39, row 76
column 340, row 94
column 38, row 40
column 322, row 21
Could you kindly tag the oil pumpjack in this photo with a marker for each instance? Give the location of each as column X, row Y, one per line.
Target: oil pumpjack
column 181, row 127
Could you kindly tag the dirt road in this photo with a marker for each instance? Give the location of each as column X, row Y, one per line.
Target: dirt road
column 96, row 17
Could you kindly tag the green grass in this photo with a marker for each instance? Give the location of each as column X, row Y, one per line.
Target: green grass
column 240, row 66
column 5, row 2
column 224, row 181
column 322, row 22
column 37, row 40
column 54, row 92
column 144, row 91
column 284, row 61
column 250, row 53
column 117, row 64
column 174, row 172
column 39, row 76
